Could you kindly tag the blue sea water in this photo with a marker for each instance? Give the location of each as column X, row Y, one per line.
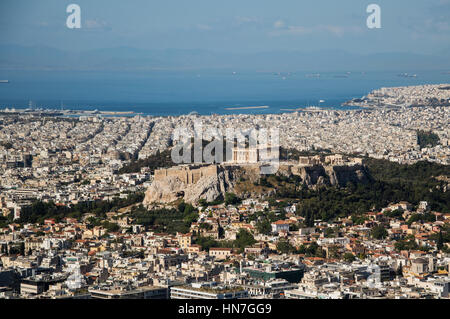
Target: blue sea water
column 165, row 93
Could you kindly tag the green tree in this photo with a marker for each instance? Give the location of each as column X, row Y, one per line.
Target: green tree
column 394, row 214
column 206, row 226
column 111, row 227
column 349, row 257
column 243, row 239
column 264, row 227
column 190, row 213
column 312, row 249
column 427, row 139
column 358, row 219
column 399, row 272
column 202, row 202
column 188, row 209
column 221, row 232
column 284, row 247
column 440, row 241
column 379, row 232
column 333, row 252
column 206, row 242
column 329, row 232
column 406, row 245
column 231, row 199
column 181, row 206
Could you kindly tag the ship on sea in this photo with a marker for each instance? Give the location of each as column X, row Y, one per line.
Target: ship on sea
column 406, row 75
column 4, row 81
column 341, row 76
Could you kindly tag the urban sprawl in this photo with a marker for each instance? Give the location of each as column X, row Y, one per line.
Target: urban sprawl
column 80, row 219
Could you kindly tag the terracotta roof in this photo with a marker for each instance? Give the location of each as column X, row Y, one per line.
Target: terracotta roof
column 281, row 222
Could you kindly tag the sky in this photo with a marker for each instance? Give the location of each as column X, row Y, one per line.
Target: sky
column 240, row 26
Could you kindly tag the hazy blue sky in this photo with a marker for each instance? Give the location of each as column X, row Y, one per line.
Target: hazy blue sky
column 417, row 26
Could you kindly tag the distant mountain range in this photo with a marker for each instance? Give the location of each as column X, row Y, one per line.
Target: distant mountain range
column 14, row 57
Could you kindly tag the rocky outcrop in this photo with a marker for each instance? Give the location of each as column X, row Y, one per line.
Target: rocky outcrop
column 314, row 175
column 209, row 187
column 341, row 175
column 317, row 175
column 169, row 187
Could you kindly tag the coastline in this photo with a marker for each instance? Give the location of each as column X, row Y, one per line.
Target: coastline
column 80, row 113
column 175, row 94
column 387, row 97
column 247, row 108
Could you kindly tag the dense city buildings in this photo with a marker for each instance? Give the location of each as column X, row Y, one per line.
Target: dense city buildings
column 81, row 216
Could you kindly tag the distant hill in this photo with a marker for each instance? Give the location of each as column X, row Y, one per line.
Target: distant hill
column 14, row 57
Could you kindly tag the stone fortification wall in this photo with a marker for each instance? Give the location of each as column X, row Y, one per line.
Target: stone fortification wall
column 187, row 174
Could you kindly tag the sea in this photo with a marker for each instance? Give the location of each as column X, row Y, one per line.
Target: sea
column 165, row 93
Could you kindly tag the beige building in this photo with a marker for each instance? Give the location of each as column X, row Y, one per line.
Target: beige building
column 220, row 253
column 245, row 155
column 309, row 160
column 184, row 240
column 32, row 244
column 253, row 155
column 194, row 249
column 419, row 266
column 333, row 160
